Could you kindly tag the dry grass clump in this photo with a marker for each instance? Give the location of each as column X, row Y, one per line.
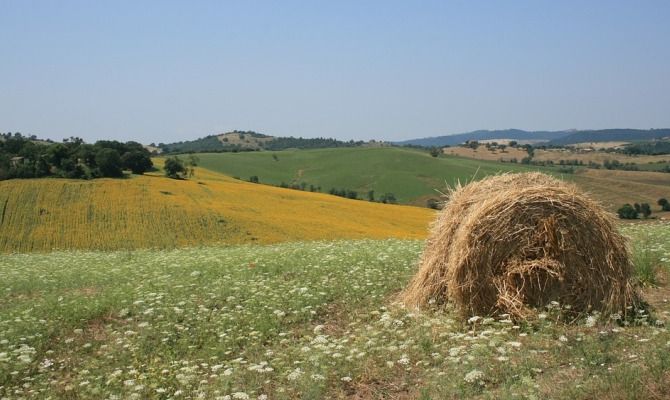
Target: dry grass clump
column 512, row 242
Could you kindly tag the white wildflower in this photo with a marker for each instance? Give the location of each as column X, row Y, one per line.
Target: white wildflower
column 295, row 374
column 455, row 351
column 474, row 376
column 320, row 339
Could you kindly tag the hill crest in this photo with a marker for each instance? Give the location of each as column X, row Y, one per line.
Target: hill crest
column 237, row 141
column 565, row 137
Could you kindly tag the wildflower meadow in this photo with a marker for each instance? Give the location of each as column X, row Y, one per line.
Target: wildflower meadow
column 307, row 320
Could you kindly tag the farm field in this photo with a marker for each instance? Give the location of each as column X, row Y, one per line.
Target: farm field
column 482, row 153
column 614, row 188
column 556, row 155
column 599, row 157
column 300, row 320
column 599, row 145
column 152, row 211
column 411, row 175
column 658, row 166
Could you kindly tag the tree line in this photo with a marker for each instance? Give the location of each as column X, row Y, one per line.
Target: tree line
column 26, row 157
column 628, row 211
column 646, row 148
column 386, row 198
column 212, row 144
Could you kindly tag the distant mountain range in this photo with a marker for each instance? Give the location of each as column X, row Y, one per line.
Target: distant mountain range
column 549, row 137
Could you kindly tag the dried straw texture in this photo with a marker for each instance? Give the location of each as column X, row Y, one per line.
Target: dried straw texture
column 512, row 242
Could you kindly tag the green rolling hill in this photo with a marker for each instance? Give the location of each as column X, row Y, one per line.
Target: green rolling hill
column 412, row 176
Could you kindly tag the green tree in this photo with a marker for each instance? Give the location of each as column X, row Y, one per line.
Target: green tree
column 665, row 205
column 473, row 144
column 175, row 168
column 193, row 161
column 645, row 210
column 108, row 162
column 56, row 154
column 137, row 161
column 627, row 212
column 41, row 167
column 388, row 198
column 371, row 195
column 435, row 151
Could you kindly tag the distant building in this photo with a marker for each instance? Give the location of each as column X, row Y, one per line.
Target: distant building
column 15, row 161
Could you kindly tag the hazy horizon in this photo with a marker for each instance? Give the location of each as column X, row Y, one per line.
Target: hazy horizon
column 170, row 71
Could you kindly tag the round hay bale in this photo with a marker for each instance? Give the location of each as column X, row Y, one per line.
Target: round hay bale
column 513, row 242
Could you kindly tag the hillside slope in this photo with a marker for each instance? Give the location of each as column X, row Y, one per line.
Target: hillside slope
column 153, row 211
column 614, row 188
column 249, row 141
column 415, row 176
column 411, row 175
column 553, row 137
column 514, row 134
column 611, row 135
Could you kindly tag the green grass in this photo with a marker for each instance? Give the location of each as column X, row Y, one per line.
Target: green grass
column 647, row 262
column 414, row 176
column 297, row 320
column 408, row 173
column 659, row 166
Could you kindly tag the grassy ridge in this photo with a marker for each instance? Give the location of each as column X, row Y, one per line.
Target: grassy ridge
column 414, row 176
column 153, row 211
column 411, row 175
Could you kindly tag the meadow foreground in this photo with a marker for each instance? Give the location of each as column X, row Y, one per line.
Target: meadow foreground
column 299, row 320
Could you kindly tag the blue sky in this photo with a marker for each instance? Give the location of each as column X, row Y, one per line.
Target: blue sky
column 164, row 71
